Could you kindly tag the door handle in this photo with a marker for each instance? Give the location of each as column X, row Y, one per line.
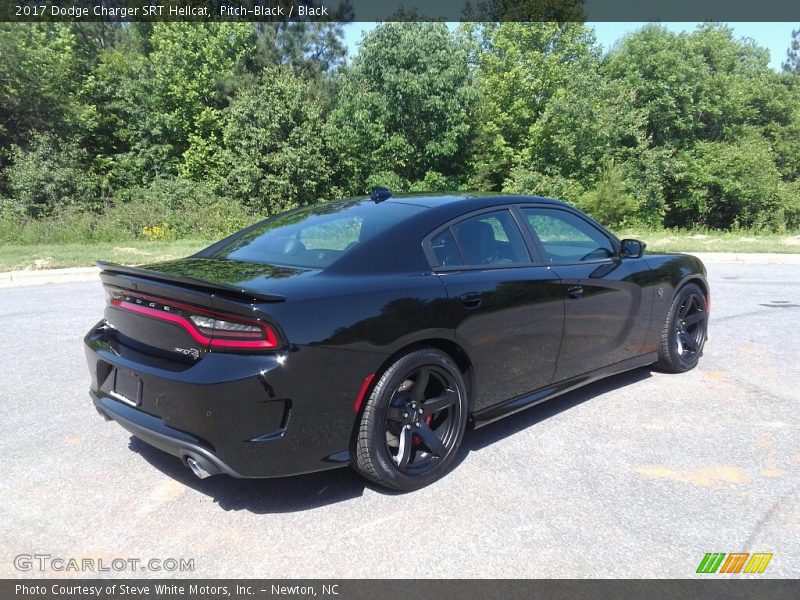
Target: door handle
column 575, row 291
column 471, row 300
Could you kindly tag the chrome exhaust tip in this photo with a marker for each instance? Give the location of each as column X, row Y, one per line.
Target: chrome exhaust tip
column 197, row 468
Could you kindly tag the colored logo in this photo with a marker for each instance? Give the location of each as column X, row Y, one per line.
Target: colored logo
column 736, row 562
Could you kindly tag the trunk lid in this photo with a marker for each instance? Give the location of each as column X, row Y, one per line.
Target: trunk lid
column 185, row 308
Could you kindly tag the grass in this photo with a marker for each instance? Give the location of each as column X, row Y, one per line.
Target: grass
column 673, row 240
column 15, row 257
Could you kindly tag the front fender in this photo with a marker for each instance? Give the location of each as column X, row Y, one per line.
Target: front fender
column 671, row 272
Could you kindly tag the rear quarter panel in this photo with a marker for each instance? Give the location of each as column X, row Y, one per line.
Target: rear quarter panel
column 367, row 313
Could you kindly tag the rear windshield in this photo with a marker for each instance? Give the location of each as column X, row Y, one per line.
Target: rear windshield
column 316, row 236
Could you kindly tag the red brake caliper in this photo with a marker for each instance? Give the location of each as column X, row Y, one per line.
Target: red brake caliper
column 418, row 440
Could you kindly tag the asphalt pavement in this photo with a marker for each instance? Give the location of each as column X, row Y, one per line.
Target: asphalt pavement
column 639, row 475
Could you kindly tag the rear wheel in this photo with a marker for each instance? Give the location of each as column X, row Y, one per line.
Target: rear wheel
column 684, row 332
column 413, row 422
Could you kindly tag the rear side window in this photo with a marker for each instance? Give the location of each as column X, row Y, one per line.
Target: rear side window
column 315, row 237
column 566, row 237
column 491, row 239
column 445, row 249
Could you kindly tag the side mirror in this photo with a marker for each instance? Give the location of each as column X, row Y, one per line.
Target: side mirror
column 631, row 249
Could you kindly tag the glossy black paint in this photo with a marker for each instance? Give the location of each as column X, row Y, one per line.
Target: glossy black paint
column 521, row 334
column 605, row 317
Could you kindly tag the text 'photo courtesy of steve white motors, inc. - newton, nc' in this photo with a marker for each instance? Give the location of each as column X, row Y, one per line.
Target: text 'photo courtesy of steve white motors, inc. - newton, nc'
column 79, row 11
column 178, row 590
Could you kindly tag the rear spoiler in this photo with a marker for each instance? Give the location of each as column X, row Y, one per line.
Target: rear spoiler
column 109, row 267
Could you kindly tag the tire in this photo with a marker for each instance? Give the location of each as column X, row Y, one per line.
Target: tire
column 685, row 330
column 413, row 422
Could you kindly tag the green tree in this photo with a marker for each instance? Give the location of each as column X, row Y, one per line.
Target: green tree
column 184, row 68
column 93, row 39
column 154, row 102
column 691, row 86
column 706, row 98
column 584, row 127
column 38, row 80
column 403, row 107
column 312, row 50
column 315, row 52
column 524, row 10
column 241, row 118
column 272, row 156
column 521, row 67
column 118, row 102
column 792, row 62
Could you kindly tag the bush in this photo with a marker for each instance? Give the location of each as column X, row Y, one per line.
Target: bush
column 435, row 182
column 387, row 179
column 524, row 180
column 609, row 202
column 49, row 175
column 173, row 208
column 788, row 216
column 64, row 226
column 728, row 185
column 167, row 209
column 647, row 175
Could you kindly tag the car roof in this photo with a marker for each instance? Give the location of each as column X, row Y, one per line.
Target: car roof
column 432, row 200
column 379, row 254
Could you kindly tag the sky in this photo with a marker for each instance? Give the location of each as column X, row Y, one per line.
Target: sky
column 775, row 37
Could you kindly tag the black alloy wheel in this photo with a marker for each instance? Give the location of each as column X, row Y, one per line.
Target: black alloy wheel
column 413, row 422
column 684, row 333
column 421, row 420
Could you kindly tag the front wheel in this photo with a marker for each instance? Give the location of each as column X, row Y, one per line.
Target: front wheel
column 684, row 332
column 413, row 422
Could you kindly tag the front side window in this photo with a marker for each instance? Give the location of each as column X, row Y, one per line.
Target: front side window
column 565, row 237
column 491, row 239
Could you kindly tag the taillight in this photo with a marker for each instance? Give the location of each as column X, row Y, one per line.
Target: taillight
column 205, row 327
column 233, row 334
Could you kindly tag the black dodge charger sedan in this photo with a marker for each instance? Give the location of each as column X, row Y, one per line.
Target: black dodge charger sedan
column 371, row 332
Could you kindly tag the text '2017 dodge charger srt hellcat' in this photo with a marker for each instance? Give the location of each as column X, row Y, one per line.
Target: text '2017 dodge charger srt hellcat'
column 370, row 332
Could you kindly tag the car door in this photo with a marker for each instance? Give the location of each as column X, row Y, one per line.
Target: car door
column 507, row 312
column 605, row 311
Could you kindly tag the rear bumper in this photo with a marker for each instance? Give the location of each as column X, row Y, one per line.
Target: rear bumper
column 256, row 415
column 152, row 430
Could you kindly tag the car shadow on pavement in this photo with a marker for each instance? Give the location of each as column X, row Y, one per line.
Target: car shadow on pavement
column 489, row 434
column 314, row 490
column 261, row 496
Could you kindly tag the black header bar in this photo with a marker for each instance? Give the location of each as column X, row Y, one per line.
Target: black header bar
column 400, row 10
